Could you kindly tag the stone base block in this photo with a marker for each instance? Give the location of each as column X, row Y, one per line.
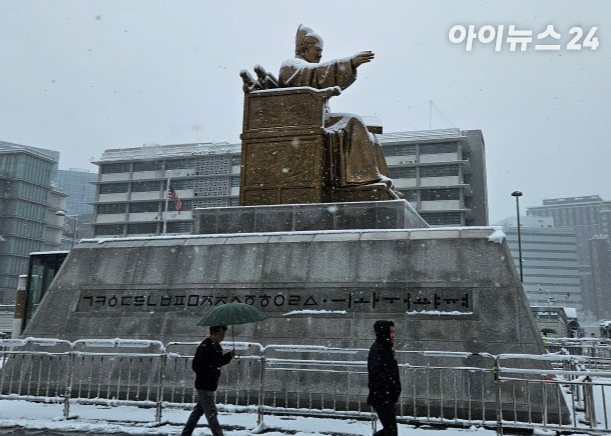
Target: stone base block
column 395, row 214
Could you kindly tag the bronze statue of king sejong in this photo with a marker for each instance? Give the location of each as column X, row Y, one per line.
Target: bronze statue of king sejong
column 347, row 158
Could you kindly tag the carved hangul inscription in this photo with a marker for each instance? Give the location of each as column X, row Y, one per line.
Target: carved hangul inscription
column 411, row 301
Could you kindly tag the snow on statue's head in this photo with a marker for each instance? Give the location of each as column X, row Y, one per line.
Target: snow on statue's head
column 308, row 45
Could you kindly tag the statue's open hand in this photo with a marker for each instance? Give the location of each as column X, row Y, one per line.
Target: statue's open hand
column 362, row 58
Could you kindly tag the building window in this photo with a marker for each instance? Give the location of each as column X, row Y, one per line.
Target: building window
column 23, row 228
column 439, row 171
column 24, row 209
column 236, row 160
column 439, row 194
column 211, row 187
column 148, row 165
column 113, row 188
column 444, row 147
column 411, row 196
column 235, row 182
column 111, row 208
column 213, row 165
column 443, row 218
column 142, row 228
column 115, row 168
column 210, row 202
column 180, row 164
column 182, row 184
column 234, row 202
column 151, row 206
column 403, row 173
column 109, row 229
column 180, row 227
column 186, row 205
column 28, row 191
column 399, row 149
column 145, row 186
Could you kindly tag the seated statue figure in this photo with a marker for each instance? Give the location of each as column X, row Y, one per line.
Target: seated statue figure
column 360, row 157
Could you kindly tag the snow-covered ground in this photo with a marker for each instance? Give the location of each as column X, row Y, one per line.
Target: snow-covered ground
column 21, row 417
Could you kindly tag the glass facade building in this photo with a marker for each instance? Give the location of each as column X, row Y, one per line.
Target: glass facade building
column 28, row 202
column 78, row 184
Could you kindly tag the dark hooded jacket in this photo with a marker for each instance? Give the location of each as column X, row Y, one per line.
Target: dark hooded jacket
column 207, row 364
column 384, row 383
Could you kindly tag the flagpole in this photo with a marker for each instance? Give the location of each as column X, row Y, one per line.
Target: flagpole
column 167, row 199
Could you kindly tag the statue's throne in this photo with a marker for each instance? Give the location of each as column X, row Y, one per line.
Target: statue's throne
column 288, row 156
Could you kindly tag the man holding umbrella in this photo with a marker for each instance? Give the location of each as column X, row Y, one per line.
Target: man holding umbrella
column 207, row 364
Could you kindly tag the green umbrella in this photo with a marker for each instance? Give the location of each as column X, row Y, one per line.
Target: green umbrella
column 231, row 314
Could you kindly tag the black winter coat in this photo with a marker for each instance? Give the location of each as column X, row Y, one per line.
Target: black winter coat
column 207, row 364
column 384, row 383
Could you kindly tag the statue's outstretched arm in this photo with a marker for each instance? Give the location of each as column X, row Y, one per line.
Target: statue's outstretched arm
column 361, row 58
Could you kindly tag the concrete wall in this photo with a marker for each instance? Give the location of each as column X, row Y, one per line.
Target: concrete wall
column 157, row 288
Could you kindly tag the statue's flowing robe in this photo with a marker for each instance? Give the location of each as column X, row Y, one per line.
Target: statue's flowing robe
column 361, row 160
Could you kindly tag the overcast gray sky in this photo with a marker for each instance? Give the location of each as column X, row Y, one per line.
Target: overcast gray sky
column 84, row 76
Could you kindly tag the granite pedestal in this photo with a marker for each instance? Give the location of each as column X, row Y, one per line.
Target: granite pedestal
column 381, row 215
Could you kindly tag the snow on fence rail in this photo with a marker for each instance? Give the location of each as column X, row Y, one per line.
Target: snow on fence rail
column 493, row 391
column 592, row 347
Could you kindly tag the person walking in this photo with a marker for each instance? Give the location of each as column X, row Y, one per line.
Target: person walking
column 207, row 364
column 384, row 383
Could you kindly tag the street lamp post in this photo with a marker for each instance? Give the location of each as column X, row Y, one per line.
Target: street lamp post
column 517, row 195
column 74, row 229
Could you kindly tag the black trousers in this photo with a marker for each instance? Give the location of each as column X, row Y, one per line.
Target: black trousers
column 388, row 417
column 204, row 406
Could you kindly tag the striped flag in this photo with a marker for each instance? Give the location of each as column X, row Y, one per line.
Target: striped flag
column 172, row 195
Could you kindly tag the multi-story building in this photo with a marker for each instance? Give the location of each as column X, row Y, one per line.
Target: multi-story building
column 441, row 172
column 550, row 263
column 589, row 217
column 600, row 258
column 605, row 222
column 78, row 184
column 78, row 222
column 581, row 213
column 131, row 194
column 28, row 202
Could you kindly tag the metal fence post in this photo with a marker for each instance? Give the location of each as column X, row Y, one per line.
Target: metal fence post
column 374, row 421
column 260, row 422
column 499, row 402
column 68, row 389
column 160, row 387
column 588, row 402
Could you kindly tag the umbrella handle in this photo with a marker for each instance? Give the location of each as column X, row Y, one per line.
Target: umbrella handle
column 233, row 341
